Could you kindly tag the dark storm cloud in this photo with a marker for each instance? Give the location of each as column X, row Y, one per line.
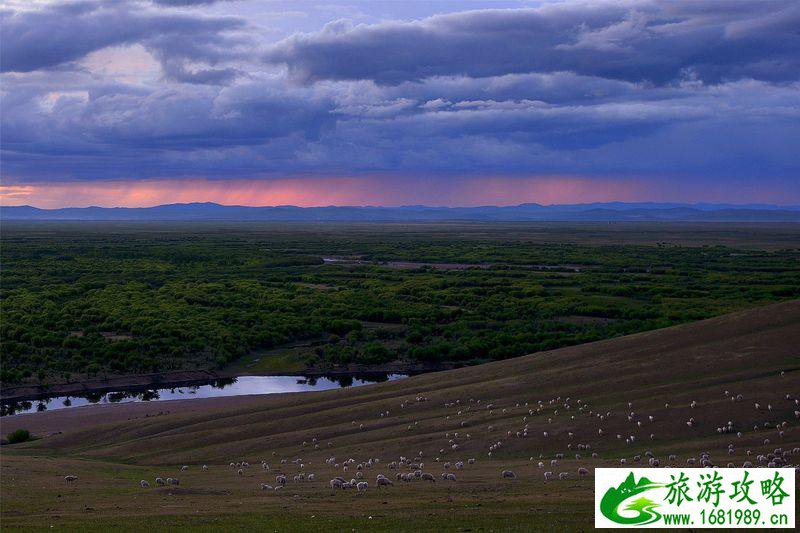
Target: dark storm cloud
column 62, row 33
column 650, row 41
column 699, row 89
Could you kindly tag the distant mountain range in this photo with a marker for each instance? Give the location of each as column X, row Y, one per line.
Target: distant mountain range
column 597, row 212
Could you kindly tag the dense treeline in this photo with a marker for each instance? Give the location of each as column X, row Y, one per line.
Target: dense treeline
column 122, row 299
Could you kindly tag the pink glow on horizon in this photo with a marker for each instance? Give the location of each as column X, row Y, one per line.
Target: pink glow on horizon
column 386, row 191
column 316, row 191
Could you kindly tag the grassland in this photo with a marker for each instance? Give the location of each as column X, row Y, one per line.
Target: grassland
column 752, row 353
column 85, row 300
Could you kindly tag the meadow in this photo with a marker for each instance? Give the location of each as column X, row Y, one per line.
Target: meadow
column 85, row 299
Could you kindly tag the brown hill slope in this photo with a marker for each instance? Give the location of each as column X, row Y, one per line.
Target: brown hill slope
column 755, row 354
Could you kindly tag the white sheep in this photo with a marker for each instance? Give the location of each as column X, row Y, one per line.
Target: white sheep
column 71, row 477
column 144, row 484
column 362, row 486
column 508, row 474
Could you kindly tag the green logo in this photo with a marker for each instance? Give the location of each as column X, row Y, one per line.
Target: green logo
column 614, row 498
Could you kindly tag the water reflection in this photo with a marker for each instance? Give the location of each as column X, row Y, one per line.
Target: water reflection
column 217, row 388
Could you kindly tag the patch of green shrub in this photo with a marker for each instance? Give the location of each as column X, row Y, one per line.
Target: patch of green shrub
column 20, row 435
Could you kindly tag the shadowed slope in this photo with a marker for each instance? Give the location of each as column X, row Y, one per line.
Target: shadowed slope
column 743, row 352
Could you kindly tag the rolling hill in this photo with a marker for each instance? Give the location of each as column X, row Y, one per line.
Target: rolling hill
column 753, row 353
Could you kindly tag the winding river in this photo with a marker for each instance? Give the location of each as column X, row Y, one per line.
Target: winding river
column 242, row 385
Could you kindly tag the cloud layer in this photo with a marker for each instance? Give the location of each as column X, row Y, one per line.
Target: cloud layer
column 700, row 93
column 656, row 42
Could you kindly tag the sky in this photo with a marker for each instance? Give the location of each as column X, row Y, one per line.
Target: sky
column 258, row 102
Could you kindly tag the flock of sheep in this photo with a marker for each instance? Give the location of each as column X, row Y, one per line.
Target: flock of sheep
column 584, row 421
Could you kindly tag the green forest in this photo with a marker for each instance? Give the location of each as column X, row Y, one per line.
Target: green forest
column 80, row 299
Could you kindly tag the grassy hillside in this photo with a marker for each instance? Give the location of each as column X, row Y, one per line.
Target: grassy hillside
column 753, row 353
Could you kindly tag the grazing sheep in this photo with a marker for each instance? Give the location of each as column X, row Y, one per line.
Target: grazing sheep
column 362, row 486
column 205, row 468
column 159, row 481
column 173, row 481
column 265, row 486
column 449, row 477
column 508, row 474
column 425, row 476
column 563, row 475
column 583, row 471
column 184, row 468
column 240, row 472
column 548, row 475
column 71, row 477
column 280, row 479
column 384, row 482
column 144, row 484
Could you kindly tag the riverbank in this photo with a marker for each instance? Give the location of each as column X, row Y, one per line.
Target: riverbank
column 186, row 378
column 107, row 384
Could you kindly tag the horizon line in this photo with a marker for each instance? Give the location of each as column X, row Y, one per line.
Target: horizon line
column 426, row 206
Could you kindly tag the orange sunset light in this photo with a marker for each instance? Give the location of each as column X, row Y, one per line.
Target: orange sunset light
column 316, row 191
